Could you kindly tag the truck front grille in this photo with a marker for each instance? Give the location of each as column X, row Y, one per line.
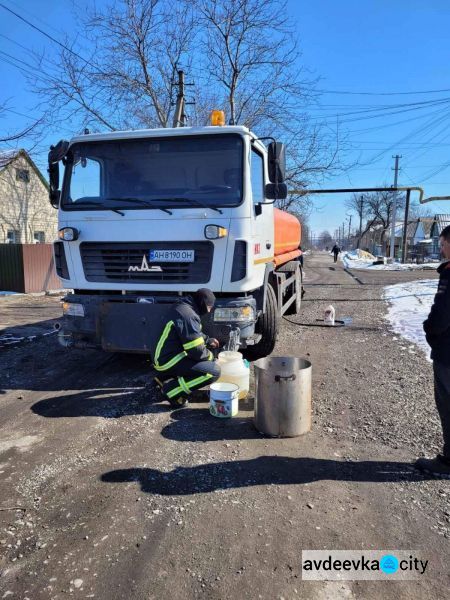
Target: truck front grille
column 111, row 262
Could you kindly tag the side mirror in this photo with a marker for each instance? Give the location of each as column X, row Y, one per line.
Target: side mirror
column 56, row 154
column 276, row 191
column 54, row 193
column 277, row 162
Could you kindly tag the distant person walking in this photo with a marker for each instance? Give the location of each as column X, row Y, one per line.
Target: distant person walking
column 437, row 331
column 336, row 251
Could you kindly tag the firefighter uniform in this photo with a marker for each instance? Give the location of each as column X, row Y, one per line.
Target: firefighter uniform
column 180, row 353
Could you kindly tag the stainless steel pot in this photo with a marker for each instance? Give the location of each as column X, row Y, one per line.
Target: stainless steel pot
column 283, row 396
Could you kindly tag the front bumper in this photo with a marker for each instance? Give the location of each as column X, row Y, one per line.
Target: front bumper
column 127, row 323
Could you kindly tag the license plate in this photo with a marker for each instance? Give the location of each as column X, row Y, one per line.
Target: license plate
column 172, row 255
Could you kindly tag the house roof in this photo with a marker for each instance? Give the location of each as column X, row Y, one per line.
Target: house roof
column 427, row 224
column 441, row 222
column 8, row 156
column 410, row 229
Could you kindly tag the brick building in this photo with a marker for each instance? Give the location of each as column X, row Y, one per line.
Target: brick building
column 26, row 216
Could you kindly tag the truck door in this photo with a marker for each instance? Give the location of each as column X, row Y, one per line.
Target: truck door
column 262, row 218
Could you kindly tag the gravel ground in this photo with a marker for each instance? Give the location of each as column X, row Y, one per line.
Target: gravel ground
column 121, row 498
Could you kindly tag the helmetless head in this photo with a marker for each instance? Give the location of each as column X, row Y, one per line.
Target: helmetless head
column 444, row 240
column 204, row 299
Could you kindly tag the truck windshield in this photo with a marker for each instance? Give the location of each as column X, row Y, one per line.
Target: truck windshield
column 157, row 173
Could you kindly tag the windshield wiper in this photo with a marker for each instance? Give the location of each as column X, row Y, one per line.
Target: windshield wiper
column 195, row 201
column 90, row 203
column 140, row 201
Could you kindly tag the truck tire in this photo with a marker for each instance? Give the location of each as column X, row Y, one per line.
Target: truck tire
column 267, row 326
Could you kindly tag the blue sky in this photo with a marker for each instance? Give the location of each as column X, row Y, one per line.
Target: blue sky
column 372, row 49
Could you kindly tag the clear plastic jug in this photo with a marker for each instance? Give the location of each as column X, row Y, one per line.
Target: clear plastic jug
column 234, row 370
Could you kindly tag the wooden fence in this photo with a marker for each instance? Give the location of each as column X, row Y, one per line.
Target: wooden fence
column 27, row 268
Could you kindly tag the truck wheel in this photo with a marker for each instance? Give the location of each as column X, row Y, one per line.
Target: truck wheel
column 267, row 326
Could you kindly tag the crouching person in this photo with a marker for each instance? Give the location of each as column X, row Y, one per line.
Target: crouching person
column 180, row 353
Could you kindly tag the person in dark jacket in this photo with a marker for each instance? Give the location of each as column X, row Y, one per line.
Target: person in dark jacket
column 437, row 331
column 180, row 353
column 335, row 250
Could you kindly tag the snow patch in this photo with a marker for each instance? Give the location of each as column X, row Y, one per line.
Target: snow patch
column 409, row 305
column 359, row 259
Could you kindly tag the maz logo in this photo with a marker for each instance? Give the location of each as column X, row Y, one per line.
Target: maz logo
column 145, row 268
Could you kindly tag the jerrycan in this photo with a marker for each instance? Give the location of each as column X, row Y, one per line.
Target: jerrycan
column 234, row 369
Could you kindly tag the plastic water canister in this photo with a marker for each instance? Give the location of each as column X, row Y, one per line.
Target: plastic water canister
column 234, row 369
column 329, row 316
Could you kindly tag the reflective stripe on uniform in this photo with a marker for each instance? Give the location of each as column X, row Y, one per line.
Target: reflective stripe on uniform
column 162, row 340
column 189, row 384
column 194, row 343
column 171, row 363
column 174, row 392
column 211, row 356
column 183, row 385
column 201, row 379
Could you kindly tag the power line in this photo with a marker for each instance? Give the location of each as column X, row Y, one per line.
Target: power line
column 47, row 35
column 382, row 93
column 352, row 93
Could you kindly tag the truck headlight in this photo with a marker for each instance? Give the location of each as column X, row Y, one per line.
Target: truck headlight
column 234, row 313
column 73, row 309
column 214, row 232
column 68, row 234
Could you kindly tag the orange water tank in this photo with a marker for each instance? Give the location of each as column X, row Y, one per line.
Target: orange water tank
column 288, row 235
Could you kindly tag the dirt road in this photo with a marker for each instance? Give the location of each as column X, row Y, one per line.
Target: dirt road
column 119, row 498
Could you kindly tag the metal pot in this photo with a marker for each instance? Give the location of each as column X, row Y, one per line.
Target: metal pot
column 283, row 396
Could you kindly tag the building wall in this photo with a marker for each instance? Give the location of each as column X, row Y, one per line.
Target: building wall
column 24, row 205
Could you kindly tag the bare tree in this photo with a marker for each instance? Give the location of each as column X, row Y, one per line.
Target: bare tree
column 378, row 206
column 251, row 51
column 127, row 79
column 325, row 239
column 358, row 204
column 241, row 53
column 8, row 137
column 252, row 54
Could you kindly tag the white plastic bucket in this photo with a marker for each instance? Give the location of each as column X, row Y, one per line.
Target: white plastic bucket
column 223, row 400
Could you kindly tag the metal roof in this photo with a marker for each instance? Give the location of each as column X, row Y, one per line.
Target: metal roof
column 441, row 222
column 427, row 225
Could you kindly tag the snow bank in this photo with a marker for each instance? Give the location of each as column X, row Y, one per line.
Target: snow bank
column 358, row 259
column 409, row 304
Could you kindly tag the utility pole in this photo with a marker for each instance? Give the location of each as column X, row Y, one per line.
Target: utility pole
column 343, row 234
column 361, row 202
column 349, row 227
column 179, row 117
column 394, row 207
column 405, row 227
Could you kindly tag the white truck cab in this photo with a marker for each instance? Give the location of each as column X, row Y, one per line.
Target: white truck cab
column 147, row 216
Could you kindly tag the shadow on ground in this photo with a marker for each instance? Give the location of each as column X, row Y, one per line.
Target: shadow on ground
column 108, row 403
column 44, row 366
column 197, row 425
column 265, row 470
